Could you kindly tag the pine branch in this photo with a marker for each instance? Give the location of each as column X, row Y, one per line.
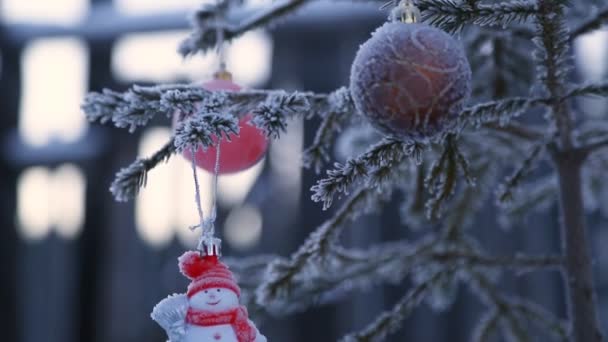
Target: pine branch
column 600, row 19
column 131, row 179
column 593, row 147
column 505, row 192
column 390, row 321
column 519, row 262
column 340, row 110
column 453, row 15
column 501, row 111
column 138, row 105
column 272, row 114
column 486, row 326
column 131, row 109
column 208, row 20
column 203, row 130
column 379, row 159
column 531, row 197
column 600, row 89
column 551, row 55
column 281, row 272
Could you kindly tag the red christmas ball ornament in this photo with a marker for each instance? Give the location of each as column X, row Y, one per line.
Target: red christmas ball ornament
column 410, row 80
column 242, row 151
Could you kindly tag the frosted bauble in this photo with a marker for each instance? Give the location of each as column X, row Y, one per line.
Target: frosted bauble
column 410, row 80
column 242, row 151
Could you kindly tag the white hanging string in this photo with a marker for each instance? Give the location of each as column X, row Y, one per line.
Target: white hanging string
column 208, row 243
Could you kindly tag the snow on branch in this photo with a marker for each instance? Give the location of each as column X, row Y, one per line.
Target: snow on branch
column 453, row 15
column 501, row 111
column 207, row 20
column 513, row 313
column 204, row 130
column 505, row 192
column 552, row 55
column 281, row 273
column 594, row 89
column 131, row 179
column 138, row 105
column 600, row 19
column 442, row 178
column 131, row 109
column 369, row 167
column 390, row 321
column 339, row 112
column 272, row 114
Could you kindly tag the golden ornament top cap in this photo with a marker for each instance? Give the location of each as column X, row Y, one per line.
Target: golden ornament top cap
column 223, row 74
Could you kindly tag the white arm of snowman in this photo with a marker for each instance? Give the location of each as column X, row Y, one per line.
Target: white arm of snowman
column 258, row 336
column 170, row 314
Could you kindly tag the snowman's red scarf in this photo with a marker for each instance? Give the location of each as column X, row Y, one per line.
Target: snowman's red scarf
column 237, row 318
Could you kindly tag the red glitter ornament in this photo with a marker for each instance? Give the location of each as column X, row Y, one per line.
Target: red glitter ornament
column 242, row 151
column 410, row 80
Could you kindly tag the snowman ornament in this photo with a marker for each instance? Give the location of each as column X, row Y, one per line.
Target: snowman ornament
column 210, row 310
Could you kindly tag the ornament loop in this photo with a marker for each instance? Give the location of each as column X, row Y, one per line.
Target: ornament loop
column 406, row 11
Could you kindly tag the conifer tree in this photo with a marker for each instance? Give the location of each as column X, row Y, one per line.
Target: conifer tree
column 520, row 141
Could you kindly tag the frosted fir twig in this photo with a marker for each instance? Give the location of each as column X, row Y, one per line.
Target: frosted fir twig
column 551, row 56
column 390, row 321
column 600, row 19
column 511, row 326
column 138, row 105
column 281, row 272
column 131, row 109
column 529, row 133
column 505, row 191
column 205, row 23
column 442, row 178
column 532, row 196
column 386, row 154
column 340, row 111
column 131, row 179
column 593, row 89
column 500, row 111
column 517, row 262
column 272, row 114
column 200, row 130
column 452, row 16
column 594, row 147
column 544, row 318
column 486, row 326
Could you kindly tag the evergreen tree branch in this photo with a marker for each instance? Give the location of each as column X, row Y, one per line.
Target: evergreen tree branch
column 383, row 156
column 599, row 89
column 390, row 321
column 138, row 105
column 339, row 112
column 452, row 15
column 593, row 147
column 131, row 179
column 272, row 114
column 551, row 56
column 600, row 19
column 486, row 326
column 203, row 130
column 505, row 192
column 208, row 20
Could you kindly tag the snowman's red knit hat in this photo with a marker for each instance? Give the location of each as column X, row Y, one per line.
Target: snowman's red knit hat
column 206, row 272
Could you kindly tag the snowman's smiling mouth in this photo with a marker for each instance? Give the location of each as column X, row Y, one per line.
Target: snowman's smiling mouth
column 213, row 303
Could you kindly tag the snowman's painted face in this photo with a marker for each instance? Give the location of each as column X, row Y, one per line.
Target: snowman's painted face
column 214, row 299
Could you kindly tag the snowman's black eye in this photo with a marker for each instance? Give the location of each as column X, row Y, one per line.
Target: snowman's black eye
column 218, row 290
column 206, row 291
